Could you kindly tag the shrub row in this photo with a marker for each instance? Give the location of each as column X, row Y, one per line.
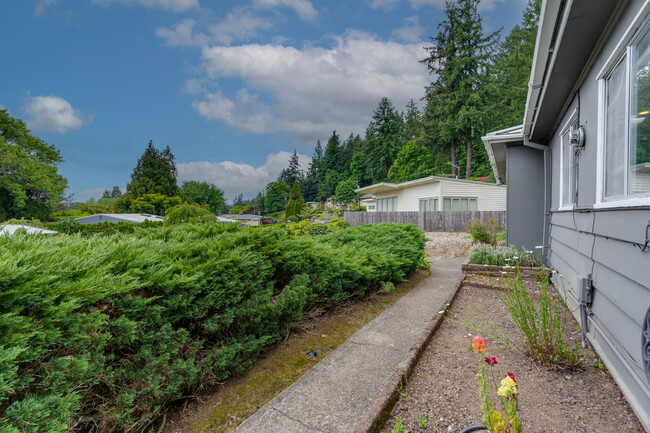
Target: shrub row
column 101, row 333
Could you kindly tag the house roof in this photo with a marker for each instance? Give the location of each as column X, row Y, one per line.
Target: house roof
column 569, row 37
column 242, row 217
column 11, row 229
column 114, row 217
column 390, row 187
column 496, row 143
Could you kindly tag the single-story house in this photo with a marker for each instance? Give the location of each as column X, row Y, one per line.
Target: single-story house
column 369, row 202
column 578, row 173
column 435, row 193
column 243, row 218
column 10, row 229
column 119, row 217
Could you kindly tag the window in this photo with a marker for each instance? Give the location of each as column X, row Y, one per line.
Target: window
column 459, row 203
column 568, row 164
column 428, row 204
column 371, row 207
column 626, row 137
column 387, row 204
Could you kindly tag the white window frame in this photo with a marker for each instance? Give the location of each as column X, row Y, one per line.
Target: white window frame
column 382, row 204
column 428, row 199
column 622, row 52
column 459, row 198
column 564, row 141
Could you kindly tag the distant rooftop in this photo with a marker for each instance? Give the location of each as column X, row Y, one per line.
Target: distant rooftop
column 117, row 217
column 11, row 229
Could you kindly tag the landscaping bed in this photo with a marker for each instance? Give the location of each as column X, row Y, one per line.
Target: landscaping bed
column 442, row 393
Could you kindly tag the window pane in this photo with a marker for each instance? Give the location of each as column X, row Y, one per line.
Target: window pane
column 395, row 204
column 464, row 203
column 473, row 205
column 616, row 132
column 454, row 204
column 423, row 205
column 639, row 177
column 435, row 204
column 446, row 204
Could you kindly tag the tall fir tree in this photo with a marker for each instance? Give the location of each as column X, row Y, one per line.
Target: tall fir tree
column 294, row 205
column 384, row 139
column 155, row 173
column 413, row 127
column 313, row 176
column 292, row 173
column 459, row 57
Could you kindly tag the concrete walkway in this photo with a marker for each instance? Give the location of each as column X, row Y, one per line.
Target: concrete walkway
column 338, row 391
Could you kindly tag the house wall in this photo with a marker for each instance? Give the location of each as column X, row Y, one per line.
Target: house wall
column 525, row 204
column 490, row 196
column 591, row 240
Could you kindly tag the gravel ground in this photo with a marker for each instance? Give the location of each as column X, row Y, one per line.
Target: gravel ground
column 444, row 390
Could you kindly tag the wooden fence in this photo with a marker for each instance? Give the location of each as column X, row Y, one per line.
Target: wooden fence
column 429, row 221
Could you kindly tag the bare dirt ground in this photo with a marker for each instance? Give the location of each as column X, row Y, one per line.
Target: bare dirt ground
column 442, row 244
column 443, row 389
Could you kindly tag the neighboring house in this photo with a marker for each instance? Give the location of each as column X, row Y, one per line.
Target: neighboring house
column 10, row 229
column 119, row 217
column 369, row 202
column 243, row 218
column 578, row 175
column 435, row 194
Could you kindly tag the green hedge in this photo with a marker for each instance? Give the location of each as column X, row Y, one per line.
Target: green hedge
column 101, row 333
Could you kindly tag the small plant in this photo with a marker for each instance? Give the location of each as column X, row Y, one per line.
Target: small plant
column 404, row 394
column 422, row 421
column 398, row 425
column 424, row 263
column 541, row 321
column 387, row 287
column 482, row 232
column 494, row 420
column 483, row 254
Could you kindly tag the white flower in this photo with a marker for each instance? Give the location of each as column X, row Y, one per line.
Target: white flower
column 441, row 312
column 503, row 272
column 540, row 247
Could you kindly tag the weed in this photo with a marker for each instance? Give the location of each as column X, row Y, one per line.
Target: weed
column 445, row 345
column 482, row 232
column 542, row 321
column 398, row 425
column 422, row 421
column 424, row 263
column 404, row 394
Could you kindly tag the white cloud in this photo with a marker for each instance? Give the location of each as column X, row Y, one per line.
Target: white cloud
column 239, row 24
column 235, row 178
column 382, row 4
column 312, row 90
column 181, row 35
column 411, row 31
column 303, row 8
column 193, row 86
column 52, row 113
column 41, row 5
column 172, row 5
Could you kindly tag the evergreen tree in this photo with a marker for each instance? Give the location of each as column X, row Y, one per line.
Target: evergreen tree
column 294, row 205
column 293, row 173
column 106, row 194
column 413, row 127
column 509, row 81
column 332, row 159
column 327, row 187
column 238, row 200
column 115, row 192
column 459, row 58
column 313, row 177
column 155, row 173
column 384, row 139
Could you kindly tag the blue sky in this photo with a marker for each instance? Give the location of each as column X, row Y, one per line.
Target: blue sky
column 231, row 86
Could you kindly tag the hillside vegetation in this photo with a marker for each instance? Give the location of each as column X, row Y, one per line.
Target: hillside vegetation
column 101, row 333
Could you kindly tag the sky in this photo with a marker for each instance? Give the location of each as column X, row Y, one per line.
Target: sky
column 233, row 87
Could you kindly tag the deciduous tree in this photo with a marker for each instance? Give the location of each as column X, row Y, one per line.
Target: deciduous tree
column 205, row 193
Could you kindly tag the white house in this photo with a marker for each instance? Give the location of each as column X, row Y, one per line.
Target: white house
column 118, row 217
column 435, row 193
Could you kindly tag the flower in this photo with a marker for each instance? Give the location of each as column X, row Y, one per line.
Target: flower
column 508, row 387
column 478, row 344
column 540, row 247
column 511, row 376
column 491, row 361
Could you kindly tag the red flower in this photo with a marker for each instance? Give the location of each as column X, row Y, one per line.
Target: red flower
column 491, row 361
column 512, row 376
